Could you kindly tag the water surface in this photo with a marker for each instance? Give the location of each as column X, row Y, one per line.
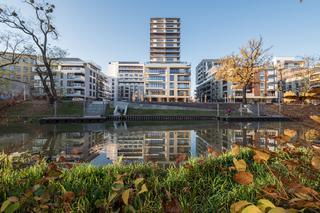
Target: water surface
column 160, row 142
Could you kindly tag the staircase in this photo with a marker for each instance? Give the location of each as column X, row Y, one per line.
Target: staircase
column 96, row 108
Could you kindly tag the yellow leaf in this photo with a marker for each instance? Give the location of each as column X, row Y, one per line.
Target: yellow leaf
column 240, row 165
column 138, row 181
column 143, row 189
column 315, row 162
column 125, row 196
column 251, row 209
column 265, row 204
column 277, row 210
column 261, row 156
column 112, row 196
column 238, row 206
column 290, row 133
column 235, row 150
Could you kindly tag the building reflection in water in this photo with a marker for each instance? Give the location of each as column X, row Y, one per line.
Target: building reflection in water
column 161, row 144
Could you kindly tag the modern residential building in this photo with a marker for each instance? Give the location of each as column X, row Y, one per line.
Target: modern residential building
column 263, row 89
column 165, row 40
column 20, row 72
column 211, row 89
column 315, row 80
column 127, row 80
column 167, row 82
column 166, row 79
column 76, row 79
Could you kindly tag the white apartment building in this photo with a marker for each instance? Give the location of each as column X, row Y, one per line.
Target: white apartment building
column 127, row 80
column 76, row 79
column 167, row 82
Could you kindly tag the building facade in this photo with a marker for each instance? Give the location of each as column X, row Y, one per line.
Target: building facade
column 127, row 80
column 167, row 82
column 210, row 89
column 76, row 79
column 166, row 79
column 21, row 74
column 165, row 40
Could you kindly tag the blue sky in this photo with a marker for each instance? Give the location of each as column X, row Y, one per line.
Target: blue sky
column 111, row 30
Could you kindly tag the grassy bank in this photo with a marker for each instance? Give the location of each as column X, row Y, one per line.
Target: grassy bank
column 288, row 178
column 32, row 110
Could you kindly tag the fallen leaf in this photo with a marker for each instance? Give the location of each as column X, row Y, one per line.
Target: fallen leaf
column 68, row 197
column 235, row 149
column 172, row 206
column 238, row 206
column 315, row 162
column 277, row 210
column 181, row 157
column 13, row 199
column 5, row 205
column 265, row 205
column 261, row 156
column 243, row 178
column 290, row 133
column 251, row 209
column 138, row 181
column 301, row 203
column 302, row 192
column 143, row 189
column 240, row 165
column 125, row 196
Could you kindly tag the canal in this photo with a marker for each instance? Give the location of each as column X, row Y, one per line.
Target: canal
column 159, row 142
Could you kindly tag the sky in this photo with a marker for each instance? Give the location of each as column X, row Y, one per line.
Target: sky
column 118, row 30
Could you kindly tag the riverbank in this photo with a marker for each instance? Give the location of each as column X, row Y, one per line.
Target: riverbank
column 288, row 178
column 31, row 111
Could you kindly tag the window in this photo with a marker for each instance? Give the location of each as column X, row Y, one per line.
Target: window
column 171, row 85
column 171, row 92
column 171, row 77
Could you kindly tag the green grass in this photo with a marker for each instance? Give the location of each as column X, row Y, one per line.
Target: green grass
column 31, row 110
column 132, row 111
column 205, row 185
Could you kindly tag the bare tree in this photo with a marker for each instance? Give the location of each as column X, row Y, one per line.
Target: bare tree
column 12, row 48
column 242, row 68
column 40, row 31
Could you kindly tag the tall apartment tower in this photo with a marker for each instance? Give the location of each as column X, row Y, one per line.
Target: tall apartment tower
column 165, row 40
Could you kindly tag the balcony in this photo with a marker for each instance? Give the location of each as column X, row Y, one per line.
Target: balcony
column 76, row 77
column 181, row 78
column 183, row 86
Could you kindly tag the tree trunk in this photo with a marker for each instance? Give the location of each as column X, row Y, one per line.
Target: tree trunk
column 244, row 95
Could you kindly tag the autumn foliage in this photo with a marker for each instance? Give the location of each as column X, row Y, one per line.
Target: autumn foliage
column 245, row 179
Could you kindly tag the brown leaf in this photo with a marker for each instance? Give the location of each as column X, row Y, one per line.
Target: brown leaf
column 291, row 164
column 305, row 193
column 13, row 199
column 301, row 203
column 243, row 178
column 62, row 158
column 271, row 191
column 68, row 197
column 172, row 206
column 315, row 162
column 181, row 158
